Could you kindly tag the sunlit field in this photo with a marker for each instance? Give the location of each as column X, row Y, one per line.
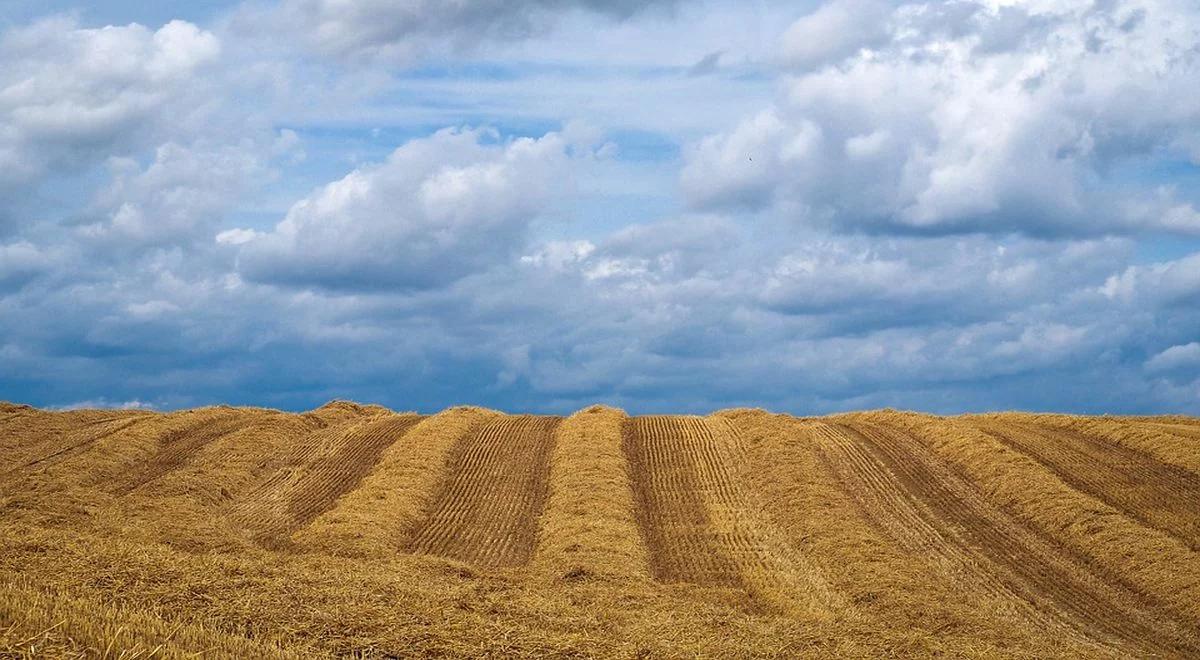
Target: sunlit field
column 358, row 530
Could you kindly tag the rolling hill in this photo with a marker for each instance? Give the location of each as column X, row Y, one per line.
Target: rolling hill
column 349, row 529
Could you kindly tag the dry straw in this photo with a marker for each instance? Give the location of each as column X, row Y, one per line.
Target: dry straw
column 137, row 534
column 1151, row 561
column 1173, row 443
column 377, row 518
column 589, row 528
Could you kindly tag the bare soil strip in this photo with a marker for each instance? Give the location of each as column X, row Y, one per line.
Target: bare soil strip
column 487, row 511
column 1162, row 496
column 1024, row 561
column 675, row 471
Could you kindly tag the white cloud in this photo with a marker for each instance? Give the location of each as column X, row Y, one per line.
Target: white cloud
column 437, row 209
column 106, row 404
column 450, row 269
column 971, row 117
column 178, row 197
column 237, row 236
column 559, row 255
column 834, row 31
column 70, row 95
column 1159, row 283
column 747, row 165
column 1183, row 356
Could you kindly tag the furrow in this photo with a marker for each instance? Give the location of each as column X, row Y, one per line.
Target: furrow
column 323, row 467
column 486, row 513
column 278, row 506
column 345, row 467
column 668, row 485
column 905, row 513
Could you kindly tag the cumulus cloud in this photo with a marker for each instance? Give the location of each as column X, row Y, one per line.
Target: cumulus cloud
column 986, row 137
column 970, row 116
column 905, row 281
column 177, row 198
column 70, row 96
column 437, row 209
column 1169, row 282
column 839, row 322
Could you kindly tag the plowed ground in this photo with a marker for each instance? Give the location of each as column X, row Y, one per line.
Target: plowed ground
column 676, row 474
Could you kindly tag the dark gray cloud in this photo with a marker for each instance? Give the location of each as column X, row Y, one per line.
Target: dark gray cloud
column 1038, row 325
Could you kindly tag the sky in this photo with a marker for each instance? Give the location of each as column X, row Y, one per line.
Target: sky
column 662, row 205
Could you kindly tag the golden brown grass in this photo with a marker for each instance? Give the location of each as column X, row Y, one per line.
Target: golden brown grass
column 588, row 529
column 37, row 624
column 1154, row 438
column 122, row 533
column 774, row 571
column 907, row 594
column 1156, row 564
column 377, row 518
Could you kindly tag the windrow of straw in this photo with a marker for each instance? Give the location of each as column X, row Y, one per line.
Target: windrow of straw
column 1156, row 440
column 377, row 518
column 589, row 526
column 28, row 435
column 107, row 462
column 1152, row 562
column 773, row 570
column 266, row 512
column 228, row 467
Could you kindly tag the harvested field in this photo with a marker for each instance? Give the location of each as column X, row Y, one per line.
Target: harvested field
column 487, row 512
column 323, row 466
column 1013, row 558
column 678, row 476
column 1156, row 494
column 356, row 530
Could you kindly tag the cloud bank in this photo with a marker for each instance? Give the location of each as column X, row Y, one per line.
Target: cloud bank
column 948, row 206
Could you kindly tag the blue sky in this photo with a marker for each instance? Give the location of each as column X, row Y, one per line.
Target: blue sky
column 664, row 205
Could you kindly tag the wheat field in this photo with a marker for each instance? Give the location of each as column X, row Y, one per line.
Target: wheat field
column 356, row 530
